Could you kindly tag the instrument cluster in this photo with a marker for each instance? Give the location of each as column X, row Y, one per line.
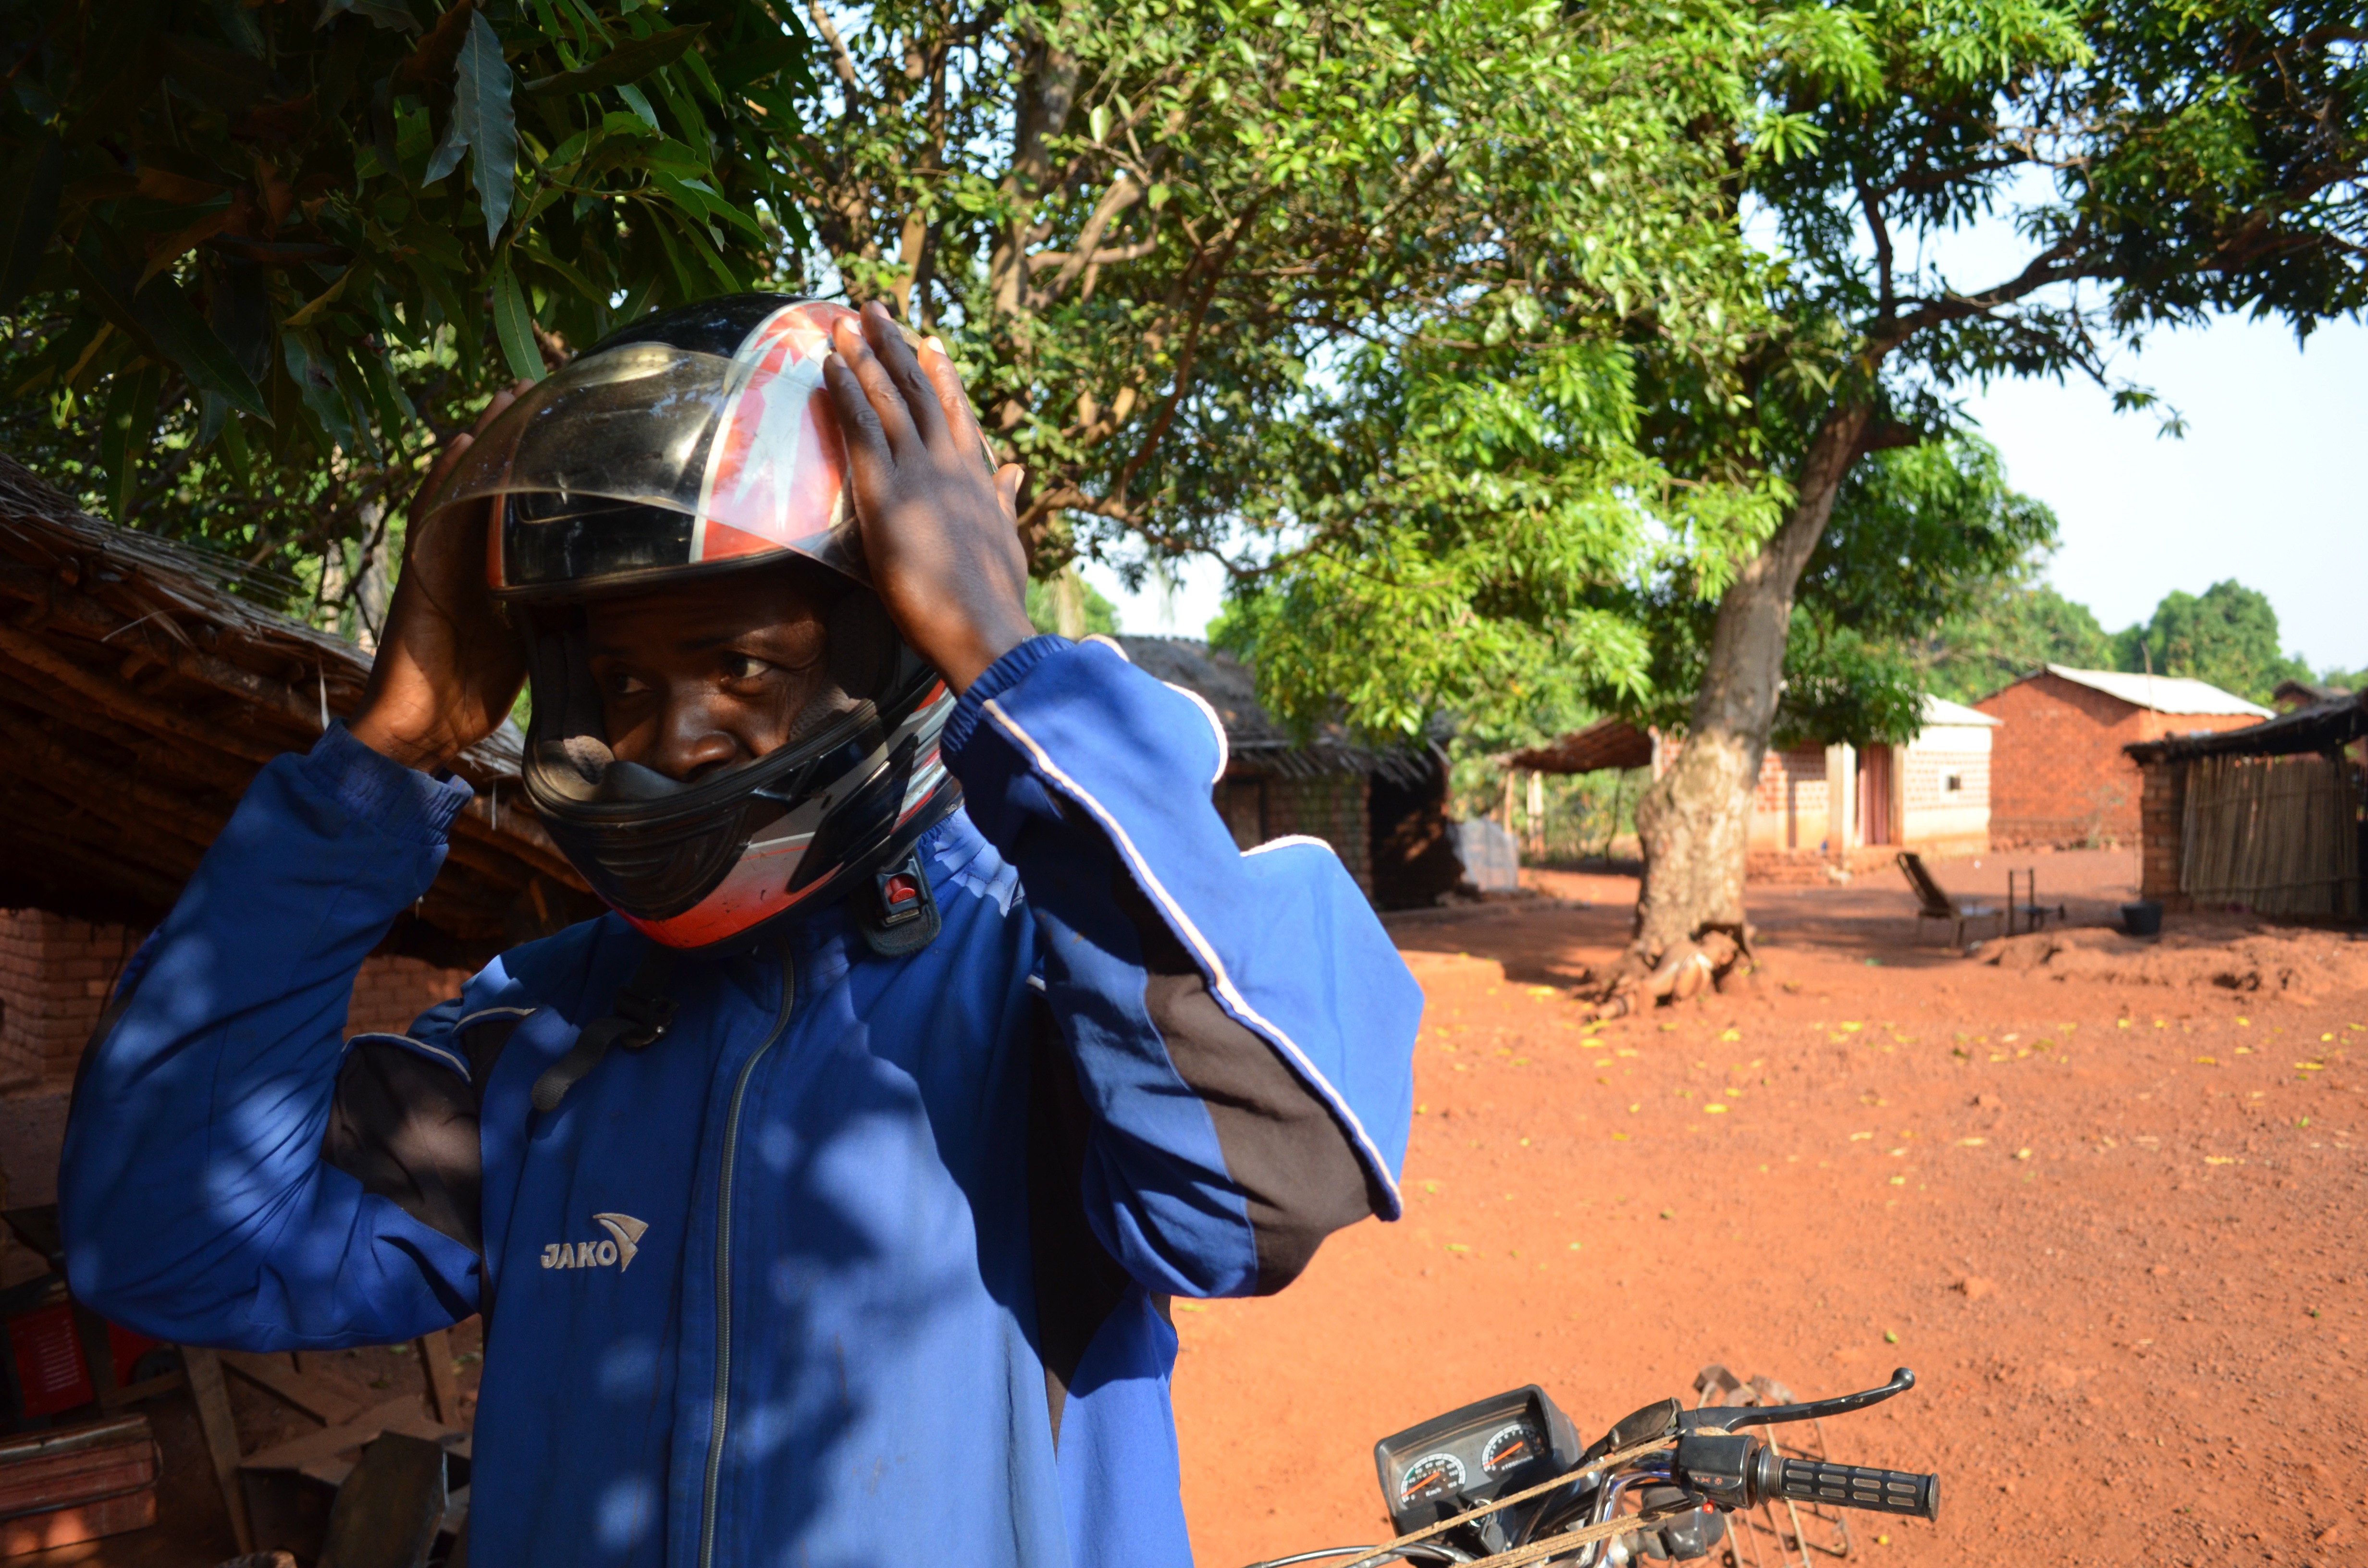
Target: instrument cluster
column 1473, row 1455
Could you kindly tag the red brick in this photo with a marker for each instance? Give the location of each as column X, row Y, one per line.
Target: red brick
column 2058, row 773
column 56, row 976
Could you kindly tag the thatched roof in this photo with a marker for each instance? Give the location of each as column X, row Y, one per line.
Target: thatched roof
column 1256, row 743
column 1607, row 743
column 138, row 695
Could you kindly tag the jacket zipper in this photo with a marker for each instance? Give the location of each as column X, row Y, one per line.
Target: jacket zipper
column 722, row 1399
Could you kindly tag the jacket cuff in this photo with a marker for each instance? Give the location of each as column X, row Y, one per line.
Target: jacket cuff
column 999, row 677
column 400, row 802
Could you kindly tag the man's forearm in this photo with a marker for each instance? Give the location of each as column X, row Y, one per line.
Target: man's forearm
column 195, row 1203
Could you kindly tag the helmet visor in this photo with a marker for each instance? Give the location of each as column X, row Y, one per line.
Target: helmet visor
column 648, row 458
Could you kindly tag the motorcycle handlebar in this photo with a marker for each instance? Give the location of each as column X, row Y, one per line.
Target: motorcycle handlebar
column 1851, row 1486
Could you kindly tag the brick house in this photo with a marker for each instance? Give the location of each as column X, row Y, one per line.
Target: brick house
column 1851, row 805
column 138, row 695
column 2060, row 773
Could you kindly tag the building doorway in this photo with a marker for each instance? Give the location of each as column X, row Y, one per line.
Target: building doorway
column 1874, row 812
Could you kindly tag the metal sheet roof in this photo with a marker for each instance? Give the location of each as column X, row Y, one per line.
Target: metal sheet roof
column 2163, row 694
column 1941, row 711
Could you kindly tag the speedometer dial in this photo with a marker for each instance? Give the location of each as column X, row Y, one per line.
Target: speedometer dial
column 1510, row 1448
column 1433, row 1475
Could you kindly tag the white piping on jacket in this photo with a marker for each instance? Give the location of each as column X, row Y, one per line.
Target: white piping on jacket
column 1291, row 840
column 452, row 1058
column 1211, row 964
column 1216, row 726
column 481, row 1014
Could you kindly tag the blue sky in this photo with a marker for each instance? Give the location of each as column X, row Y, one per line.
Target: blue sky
column 2269, row 485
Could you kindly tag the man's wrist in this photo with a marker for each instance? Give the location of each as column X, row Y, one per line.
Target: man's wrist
column 410, row 744
column 984, row 647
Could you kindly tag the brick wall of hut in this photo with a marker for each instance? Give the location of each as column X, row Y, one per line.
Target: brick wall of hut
column 1333, row 807
column 57, row 973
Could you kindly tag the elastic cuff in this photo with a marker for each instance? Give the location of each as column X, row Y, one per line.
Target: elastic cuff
column 999, row 677
column 400, row 802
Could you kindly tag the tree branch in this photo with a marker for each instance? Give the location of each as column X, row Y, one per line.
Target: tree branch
column 843, row 61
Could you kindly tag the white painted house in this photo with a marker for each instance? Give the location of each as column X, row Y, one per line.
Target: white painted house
column 1931, row 794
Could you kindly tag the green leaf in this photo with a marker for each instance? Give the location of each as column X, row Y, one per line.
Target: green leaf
column 514, row 324
column 29, row 214
column 127, row 427
column 182, row 338
column 315, row 375
column 629, row 62
column 482, row 115
column 636, row 100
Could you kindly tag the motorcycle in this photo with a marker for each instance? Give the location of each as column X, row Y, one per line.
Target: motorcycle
column 1505, row 1482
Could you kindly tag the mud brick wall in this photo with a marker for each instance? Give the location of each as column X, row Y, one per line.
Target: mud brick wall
column 2162, row 814
column 2057, row 771
column 56, row 976
column 1789, row 803
column 390, row 992
column 1333, row 807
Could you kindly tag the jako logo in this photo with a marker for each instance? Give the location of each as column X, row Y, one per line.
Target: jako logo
column 624, row 1240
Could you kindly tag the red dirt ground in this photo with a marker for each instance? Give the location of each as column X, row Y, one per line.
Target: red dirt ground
column 2106, row 1205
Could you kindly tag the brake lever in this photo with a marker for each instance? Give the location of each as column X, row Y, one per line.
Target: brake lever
column 1729, row 1418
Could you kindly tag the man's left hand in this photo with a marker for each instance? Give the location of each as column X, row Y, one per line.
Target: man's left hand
column 941, row 533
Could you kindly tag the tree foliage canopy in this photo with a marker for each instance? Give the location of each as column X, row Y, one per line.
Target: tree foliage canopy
column 255, row 253
column 2140, row 165
column 2226, row 635
column 1443, row 323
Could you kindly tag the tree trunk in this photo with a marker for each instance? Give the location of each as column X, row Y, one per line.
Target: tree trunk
column 1693, row 824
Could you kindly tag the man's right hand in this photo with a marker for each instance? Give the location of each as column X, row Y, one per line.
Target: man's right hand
column 447, row 670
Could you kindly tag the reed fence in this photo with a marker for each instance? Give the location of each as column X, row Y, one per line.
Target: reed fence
column 2279, row 834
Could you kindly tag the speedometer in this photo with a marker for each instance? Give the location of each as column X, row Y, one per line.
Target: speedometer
column 1433, row 1475
column 1511, row 1447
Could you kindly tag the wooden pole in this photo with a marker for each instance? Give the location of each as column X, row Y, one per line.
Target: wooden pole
column 214, row 1419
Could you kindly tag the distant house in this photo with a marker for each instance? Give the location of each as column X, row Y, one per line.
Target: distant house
column 2059, row 774
column 1839, row 803
column 1355, row 799
column 1932, row 795
column 2293, row 694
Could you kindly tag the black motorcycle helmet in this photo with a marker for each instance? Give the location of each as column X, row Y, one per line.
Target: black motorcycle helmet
column 695, row 442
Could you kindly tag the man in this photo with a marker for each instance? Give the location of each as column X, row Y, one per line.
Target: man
column 823, row 1201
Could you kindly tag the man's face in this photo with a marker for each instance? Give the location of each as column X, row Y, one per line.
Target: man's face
column 712, row 673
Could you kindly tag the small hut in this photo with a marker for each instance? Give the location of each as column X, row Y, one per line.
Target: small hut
column 1383, row 810
column 2266, row 818
column 140, row 692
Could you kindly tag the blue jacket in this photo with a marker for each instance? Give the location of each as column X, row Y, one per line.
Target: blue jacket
column 865, row 1262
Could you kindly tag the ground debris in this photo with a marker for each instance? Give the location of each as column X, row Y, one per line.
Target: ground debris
column 2274, row 962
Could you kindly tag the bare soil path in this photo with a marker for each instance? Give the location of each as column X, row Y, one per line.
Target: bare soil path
column 2111, row 1214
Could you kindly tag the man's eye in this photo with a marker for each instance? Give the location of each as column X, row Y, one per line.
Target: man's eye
column 623, row 684
column 745, row 666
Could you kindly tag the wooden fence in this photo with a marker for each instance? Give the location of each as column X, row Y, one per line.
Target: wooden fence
column 2279, row 834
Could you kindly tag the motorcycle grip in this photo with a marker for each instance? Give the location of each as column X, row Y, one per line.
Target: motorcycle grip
column 1856, row 1486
